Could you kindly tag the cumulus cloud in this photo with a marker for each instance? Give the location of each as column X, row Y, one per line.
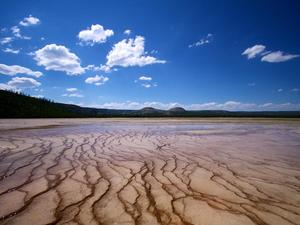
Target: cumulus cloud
column 20, row 83
column 278, row 56
column 15, row 69
column 145, row 78
column 6, row 40
column 10, row 50
column 127, row 32
column 29, row 21
column 71, row 89
column 202, row 41
column 229, row 105
column 23, row 82
column 97, row 80
column 253, row 51
column 58, row 58
column 130, row 52
column 95, row 34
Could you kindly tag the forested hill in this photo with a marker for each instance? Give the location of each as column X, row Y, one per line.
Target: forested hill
column 18, row 105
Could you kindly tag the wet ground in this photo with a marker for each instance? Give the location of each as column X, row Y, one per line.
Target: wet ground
column 139, row 172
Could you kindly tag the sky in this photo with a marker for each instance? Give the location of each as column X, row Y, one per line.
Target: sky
column 228, row 55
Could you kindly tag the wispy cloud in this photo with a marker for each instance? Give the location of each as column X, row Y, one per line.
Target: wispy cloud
column 146, row 81
column 253, row 51
column 146, row 85
column 145, row 78
column 73, row 95
column 10, row 50
column 20, row 83
column 6, row 40
column 97, row 80
column 279, row 56
column 71, row 89
column 268, row 56
column 202, row 41
column 17, row 33
column 38, row 96
column 16, row 69
column 127, row 32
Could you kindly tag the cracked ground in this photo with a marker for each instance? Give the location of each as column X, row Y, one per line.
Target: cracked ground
column 151, row 173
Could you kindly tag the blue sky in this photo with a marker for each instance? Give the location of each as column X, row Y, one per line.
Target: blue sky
column 234, row 55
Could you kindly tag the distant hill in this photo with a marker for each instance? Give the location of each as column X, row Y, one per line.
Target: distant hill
column 18, row 105
column 177, row 110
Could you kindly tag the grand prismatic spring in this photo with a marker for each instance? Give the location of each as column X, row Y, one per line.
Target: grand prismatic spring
column 143, row 172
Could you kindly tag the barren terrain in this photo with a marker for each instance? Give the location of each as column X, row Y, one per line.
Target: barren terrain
column 145, row 172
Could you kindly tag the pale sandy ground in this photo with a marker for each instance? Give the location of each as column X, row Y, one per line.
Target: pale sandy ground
column 6, row 124
column 122, row 171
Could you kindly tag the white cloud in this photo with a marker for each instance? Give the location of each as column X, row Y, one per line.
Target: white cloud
column 58, row 58
column 7, row 87
column 147, row 82
column 295, row 89
column 253, row 51
column 10, row 50
column 23, row 82
column 95, row 34
column 130, row 52
column 92, row 68
column 147, row 85
column 19, row 83
column 17, row 33
column 38, row 96
column 75, row 95
column 97, row 80
column 202, row 41
column 6, row 40
column 71, row 89
column 229, row 105
column 127, row 32
column 278, row 56
column 279, row 89
column 268, row 56
column 29, row 21
column 106, row 68
column 15, row 69
column 144, row 78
